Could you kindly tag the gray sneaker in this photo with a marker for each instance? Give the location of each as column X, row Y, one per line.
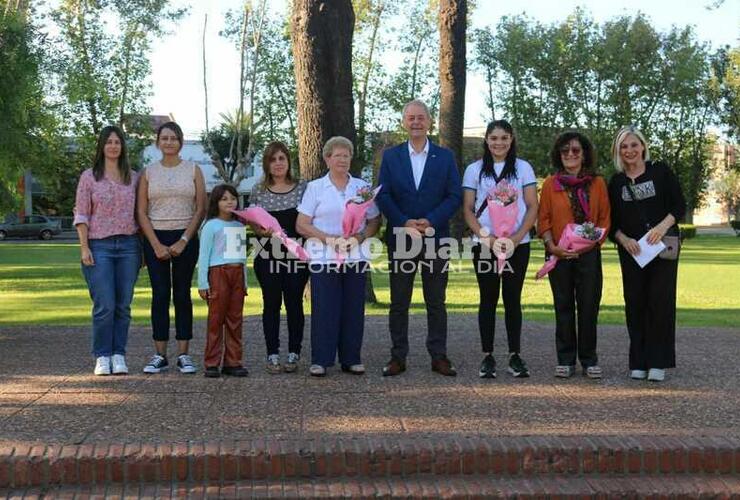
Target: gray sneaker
column 185, row 364
column 291, row 364
column 273, row 364
column 157, row 364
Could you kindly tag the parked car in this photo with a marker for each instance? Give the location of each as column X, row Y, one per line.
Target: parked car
column 34, row 225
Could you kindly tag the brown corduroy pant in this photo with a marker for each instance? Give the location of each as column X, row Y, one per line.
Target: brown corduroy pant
column 225, row 306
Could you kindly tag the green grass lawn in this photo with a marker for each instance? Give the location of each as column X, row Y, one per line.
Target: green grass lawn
column 42, row 284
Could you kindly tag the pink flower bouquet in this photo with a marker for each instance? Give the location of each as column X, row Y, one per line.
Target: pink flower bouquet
column 503, row 212
column 354, row 212
column 575, row 238
column 260, row 217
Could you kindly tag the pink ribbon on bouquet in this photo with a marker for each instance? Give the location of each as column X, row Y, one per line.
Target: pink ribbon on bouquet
column 262, row 218
column 354, row 217
column 571, row 242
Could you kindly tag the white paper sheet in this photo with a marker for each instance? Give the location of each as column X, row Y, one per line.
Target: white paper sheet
column 647, row 251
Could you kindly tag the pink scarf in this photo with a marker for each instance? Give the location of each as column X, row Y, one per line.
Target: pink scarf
column 579, row 183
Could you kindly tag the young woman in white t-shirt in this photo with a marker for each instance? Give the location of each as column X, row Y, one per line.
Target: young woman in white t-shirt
column 500, row 163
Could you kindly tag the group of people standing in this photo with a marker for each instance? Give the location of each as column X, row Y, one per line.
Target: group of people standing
column 420, row 191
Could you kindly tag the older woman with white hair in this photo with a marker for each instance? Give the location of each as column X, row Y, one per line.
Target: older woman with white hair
column 338, row 265
column 646, row 200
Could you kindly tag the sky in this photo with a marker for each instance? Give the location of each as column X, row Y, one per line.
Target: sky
column 177, row 71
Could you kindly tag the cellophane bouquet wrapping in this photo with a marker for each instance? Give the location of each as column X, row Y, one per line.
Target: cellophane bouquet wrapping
column 354, row 213
column 577, row 238
column 262, row 218
column 503, row 211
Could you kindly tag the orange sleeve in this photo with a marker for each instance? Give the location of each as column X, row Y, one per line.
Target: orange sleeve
column 544, row 214
column 603, row 217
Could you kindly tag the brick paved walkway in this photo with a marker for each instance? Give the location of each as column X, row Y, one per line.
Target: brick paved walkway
column 48, row 392
column 63, row 426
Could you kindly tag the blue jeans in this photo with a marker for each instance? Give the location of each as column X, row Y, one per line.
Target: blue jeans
column 111, row 283
column 337, row 313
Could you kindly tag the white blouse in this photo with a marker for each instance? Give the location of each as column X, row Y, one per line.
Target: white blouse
column 472, row 180
column 324, row 203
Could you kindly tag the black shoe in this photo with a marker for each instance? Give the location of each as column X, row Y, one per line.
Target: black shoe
column 517, row 366
column 212, row 372
column 234, row 371
column 487, row 367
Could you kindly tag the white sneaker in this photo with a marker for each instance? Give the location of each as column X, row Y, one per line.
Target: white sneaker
column 565, row 371
column 638, row 374
column 118, row 361
column 102, row 365
column 593, row 372
column 656, row 375
column 317, row 371
column 185, row 364
column 357, row 369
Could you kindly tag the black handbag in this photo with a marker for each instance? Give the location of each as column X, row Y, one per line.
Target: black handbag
column 672, row 242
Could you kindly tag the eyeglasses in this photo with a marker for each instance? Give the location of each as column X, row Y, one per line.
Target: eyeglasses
column 575, row 151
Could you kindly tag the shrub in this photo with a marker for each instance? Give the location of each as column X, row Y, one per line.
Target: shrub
column 736, row 226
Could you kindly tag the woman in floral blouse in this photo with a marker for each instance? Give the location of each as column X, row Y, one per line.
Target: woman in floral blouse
column 109, row 247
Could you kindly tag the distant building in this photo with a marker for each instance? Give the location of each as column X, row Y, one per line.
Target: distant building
column 724, row 156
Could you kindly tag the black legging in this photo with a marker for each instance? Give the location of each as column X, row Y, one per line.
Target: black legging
column 281, row 283
column 489, row 283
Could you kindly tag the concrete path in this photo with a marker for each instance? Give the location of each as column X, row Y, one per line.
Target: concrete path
column 48, row 393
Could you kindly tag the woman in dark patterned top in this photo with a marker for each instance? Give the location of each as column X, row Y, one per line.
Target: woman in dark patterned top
column 281, row 277
column 645, row 198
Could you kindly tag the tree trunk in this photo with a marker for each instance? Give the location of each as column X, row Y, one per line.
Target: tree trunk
column 364, row 85
column 452, row 66
column 126, row 70
column 322, row 51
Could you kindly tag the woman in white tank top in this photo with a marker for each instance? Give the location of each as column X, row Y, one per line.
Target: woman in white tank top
column 171, row 203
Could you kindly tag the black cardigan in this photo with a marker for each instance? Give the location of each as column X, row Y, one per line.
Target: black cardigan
column 658, row 193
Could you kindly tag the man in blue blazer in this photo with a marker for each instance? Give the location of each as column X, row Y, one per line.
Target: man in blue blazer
column 421, row 192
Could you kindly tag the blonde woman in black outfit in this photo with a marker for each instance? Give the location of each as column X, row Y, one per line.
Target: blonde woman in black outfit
column 645, row 198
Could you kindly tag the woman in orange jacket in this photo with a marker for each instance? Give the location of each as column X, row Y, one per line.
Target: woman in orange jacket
column 574, row 194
